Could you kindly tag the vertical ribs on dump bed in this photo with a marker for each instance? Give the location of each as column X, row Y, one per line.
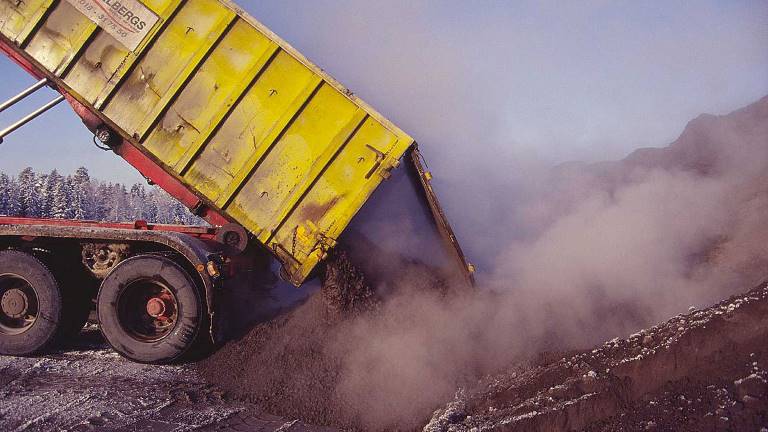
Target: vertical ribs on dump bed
column 229, row 110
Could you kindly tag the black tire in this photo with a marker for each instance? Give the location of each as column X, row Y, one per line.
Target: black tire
column 21, row 272
column 122, row 309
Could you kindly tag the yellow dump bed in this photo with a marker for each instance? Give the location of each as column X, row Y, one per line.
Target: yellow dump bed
column 222, row 104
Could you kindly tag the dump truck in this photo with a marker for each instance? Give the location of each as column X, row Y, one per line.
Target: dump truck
column 211, row 106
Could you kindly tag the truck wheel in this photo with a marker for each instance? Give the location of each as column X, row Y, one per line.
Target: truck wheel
column 30, row 304
column 149, row 309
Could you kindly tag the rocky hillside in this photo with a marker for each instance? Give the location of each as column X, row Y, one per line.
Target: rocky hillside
column 702, row 371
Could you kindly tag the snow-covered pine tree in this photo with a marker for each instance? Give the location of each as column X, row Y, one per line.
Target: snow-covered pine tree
column 13, row 198
column 178, row 212
column 136, row 202
column 62, row 198
column 150, row 211
column 43, row 189
column 101, row 209
column 5, row 195
column 82, row 202
column 169, row 210
column 174, row 212
column 47, row 185
column 119, row 204
column 27, row 193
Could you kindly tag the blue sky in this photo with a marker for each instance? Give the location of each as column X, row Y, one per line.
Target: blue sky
column 490, row 84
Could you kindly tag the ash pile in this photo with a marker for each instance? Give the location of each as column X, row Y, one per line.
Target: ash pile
column 295, row 365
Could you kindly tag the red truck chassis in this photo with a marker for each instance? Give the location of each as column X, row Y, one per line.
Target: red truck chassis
column 153, row 285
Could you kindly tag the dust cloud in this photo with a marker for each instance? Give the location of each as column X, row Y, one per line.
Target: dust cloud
column 590, row 252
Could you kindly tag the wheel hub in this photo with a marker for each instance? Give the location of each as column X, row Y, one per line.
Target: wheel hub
column 14, row 303
column 156, row 307
column 147, row 310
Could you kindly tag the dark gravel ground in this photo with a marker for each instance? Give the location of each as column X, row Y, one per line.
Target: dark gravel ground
column 88, row 387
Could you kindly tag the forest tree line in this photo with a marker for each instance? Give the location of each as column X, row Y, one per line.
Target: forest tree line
column 78, row 196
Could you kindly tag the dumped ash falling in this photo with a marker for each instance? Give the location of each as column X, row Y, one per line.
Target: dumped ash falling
column 283, row 364
column 292, row 360
column 292, row 365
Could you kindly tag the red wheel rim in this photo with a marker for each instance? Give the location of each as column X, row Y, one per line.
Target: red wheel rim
column 147, row 310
